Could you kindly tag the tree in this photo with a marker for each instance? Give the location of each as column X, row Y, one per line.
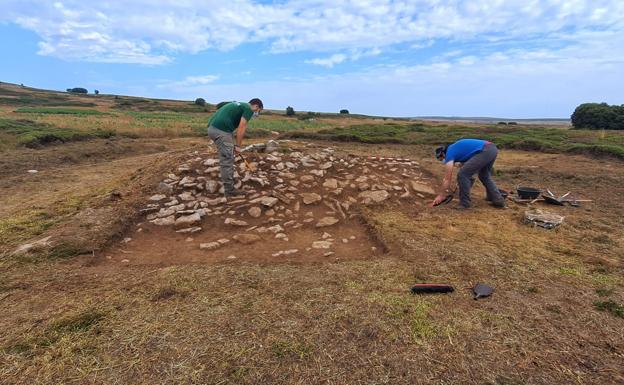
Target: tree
column 290, row 111
column 78, row 90
column 344, row 111
column 200, row 102
column 96, row 92
column 598, row 116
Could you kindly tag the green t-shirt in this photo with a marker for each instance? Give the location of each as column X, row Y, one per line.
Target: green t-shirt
column 228, row 117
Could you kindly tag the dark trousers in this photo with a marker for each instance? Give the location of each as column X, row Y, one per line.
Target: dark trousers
column 481, row 163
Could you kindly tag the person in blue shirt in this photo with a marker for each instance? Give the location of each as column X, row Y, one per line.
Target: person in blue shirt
column 476, row 157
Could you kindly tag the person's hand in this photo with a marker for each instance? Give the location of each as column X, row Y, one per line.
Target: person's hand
column 237, row 150
column 439, row 199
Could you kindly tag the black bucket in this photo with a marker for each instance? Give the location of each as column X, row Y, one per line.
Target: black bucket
column 528, row 192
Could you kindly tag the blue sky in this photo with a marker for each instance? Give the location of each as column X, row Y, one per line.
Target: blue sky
column 516, row 59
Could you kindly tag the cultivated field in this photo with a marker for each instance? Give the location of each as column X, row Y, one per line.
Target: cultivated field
column 112, row 298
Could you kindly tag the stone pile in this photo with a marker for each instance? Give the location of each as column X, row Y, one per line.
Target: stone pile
column 287, row 191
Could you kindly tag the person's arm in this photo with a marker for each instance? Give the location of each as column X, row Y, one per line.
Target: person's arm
column 240, row 132
column 446, row 183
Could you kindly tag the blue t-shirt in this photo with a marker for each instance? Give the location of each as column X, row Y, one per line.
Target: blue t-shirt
column 463, row 149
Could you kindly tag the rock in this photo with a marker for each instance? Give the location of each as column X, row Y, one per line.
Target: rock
column 231, row 257
column 374, row 196
column 189, row 230
column 297, row 206
column 188, row 220
column 294, row 183
column 331, row 183
column 329, row 254
column 212, row 186
column 306, row 178
column 223, row 241
column 157, row 197
column 275, row 229
column 209, row 246
column 327, row 221
column 32, row 171
column 165, row 188
column 422, row 188
column 266, row 201
column 269, row 213
column 254, row 212
column 186, row 180
column 172, row 203
column 290, row 165
column 216, row 201
column 279, row 166
column 235, row 222
column 317, row 172
column 168, row 221
column 345, row 240
column 326, row 235
column 326, row 166
column 211, row 162
column 361, row 179
column 352, row 237
column 310, row 198
column 37, row 245
column 285, row 252
column 321, row 245
column 281, row 236
column 186, row 196
column 363, row 186
column 246, row 239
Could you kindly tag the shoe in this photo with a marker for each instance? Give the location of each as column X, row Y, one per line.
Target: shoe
column 461, row 207
column 499, row 204
column 234, row 193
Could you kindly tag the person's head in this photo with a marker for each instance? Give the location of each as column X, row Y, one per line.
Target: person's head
column 440, row 152
column 256, row 105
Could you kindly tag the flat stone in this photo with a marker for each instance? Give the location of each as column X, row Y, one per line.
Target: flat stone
column 331, row 183
column 186, row 196
column 157, row 197
column 281, row 236
column 246, row 239
column 327, row 221
column 374, row 196
column 317, row 172
column 266, row 201
column 212, row 186
column 209, row 246
column 254, row 212
column 275, row 229
column 211, row 162
column 310, row 198
column 326, row 166
column 188, row 220
column 306, row 178
column 321, row 245
column 235, row 222
column 189, row 230
column 223, row 241
column 422, row 188
column 168, row 221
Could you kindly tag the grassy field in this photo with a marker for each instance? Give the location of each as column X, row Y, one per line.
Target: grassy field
column 556, row 316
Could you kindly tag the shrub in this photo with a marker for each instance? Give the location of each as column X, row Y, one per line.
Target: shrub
column 502, row 123
column 290, row 111
column 200, row 102
column 96, row 92
column 344, row 111
column 221, row 104
column 78, row 90
column 598, row 116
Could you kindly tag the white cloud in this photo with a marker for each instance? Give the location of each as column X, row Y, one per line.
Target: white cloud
column 188, row 82
column 153, row 32
column 329, row 61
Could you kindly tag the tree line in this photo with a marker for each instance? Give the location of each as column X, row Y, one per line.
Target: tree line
column 598, row 116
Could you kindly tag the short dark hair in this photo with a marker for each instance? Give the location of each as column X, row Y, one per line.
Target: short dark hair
column 257, row 102
column 440, row 152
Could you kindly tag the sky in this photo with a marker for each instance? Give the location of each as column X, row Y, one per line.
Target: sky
column 503, row 58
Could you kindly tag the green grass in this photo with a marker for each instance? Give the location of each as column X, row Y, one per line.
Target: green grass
column 611, row 306
column 50, row 101
column 78, row 323
column 59, row 111
column 555, row 140
column 32, row 134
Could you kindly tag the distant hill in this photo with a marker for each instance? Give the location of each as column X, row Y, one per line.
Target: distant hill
column 490, row 120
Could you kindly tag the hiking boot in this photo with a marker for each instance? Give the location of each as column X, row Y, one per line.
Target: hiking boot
column 234, row 193
column 499, row 204
column 461, row 207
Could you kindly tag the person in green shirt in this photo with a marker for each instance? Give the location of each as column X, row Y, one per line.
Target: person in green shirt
column 228, row 119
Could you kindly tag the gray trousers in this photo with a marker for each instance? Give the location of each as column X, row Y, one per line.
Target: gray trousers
column 225, row 146
column 481, row 163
